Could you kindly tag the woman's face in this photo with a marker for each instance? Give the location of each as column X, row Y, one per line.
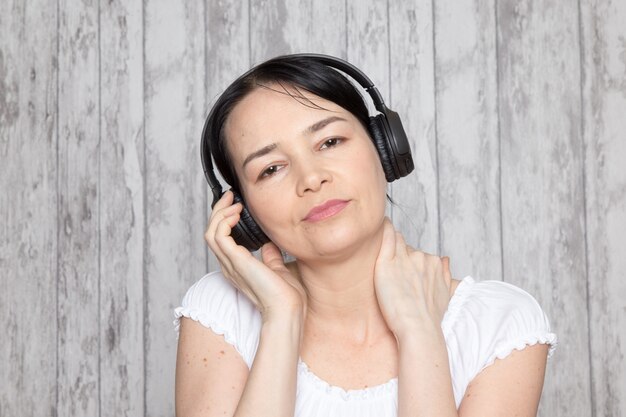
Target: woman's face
column 310, row 176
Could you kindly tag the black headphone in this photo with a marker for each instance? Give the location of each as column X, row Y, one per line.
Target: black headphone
column 385, row 130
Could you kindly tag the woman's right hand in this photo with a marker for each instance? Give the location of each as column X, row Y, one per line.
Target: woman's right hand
column 270, row 285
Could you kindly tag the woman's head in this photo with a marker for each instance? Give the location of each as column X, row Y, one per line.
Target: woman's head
column 289, row 74
column 290, row 136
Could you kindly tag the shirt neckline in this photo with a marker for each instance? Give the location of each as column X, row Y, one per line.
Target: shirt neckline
column 389, row 387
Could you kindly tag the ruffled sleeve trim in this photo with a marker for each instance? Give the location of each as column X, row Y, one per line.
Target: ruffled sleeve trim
column 521, row 343
column 202, row 318
column 487, row 320
column 216, row 304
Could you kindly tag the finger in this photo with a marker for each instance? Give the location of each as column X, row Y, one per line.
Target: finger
column 419, row 259
column 218, row 237
column 271, row 256
column 225, row 200
column 236, row 260
column 401, row 246
column 388, row 246
column 223, row 208
column 447, row 275
column 217, row 216
column 228, row 251
column 223, row 230
column 225, row 211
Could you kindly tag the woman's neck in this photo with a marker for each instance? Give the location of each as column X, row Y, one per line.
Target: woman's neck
column 341, row 294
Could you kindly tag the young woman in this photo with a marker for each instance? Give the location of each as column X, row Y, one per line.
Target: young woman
column 360, row 324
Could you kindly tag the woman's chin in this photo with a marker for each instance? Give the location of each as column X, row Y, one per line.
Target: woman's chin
column 332, row 243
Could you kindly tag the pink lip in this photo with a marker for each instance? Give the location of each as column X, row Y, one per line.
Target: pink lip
column 326, row 210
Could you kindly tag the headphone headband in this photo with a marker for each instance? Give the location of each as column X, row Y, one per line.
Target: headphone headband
column 353, row 72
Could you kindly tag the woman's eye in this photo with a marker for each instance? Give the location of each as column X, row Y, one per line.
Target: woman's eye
column 269, row 171
column 329, row 143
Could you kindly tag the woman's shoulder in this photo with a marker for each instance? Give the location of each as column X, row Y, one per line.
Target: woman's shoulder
column 495, row 304
column 486, row 321
column 498, row 317
column 210, row 294
column 209, row 286
column 214, row 302
column 493, row 294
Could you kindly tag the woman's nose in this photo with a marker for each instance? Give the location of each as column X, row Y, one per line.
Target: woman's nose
column 311, row 177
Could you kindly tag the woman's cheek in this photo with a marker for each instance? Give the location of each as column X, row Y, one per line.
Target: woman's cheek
column 270, row 213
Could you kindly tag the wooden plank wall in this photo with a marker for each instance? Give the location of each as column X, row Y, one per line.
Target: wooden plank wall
column 517, row 116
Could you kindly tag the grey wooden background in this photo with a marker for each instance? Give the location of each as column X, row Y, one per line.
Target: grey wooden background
column 516, row 110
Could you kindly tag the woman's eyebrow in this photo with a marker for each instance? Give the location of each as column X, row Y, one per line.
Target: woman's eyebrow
column 311, row 129
column 258, row 153
column 322, row 124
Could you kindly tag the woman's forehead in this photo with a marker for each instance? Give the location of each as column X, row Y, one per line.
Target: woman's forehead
column 273, row 99
column 267, row 115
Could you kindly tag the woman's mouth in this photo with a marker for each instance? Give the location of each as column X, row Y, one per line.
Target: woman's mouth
column 326, row 210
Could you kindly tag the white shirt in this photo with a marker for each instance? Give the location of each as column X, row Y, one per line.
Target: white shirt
column 485, row 320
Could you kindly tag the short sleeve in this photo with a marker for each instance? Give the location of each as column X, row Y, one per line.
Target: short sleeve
column 518, row 321
column 491, row 319
column 216, row 304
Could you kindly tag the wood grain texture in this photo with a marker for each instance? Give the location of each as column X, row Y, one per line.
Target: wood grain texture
column 367, row 44
column 516, row 115
column 79, row 210
column 122, row 210
column 296, row 26
column 467, row 137
column 227, row 25
column 267, row 23
column 412, row 94
column 604, row 133
column 279, row 27
column 174, row 88
column 28, row 218
column 328, row 32
column 542, row 183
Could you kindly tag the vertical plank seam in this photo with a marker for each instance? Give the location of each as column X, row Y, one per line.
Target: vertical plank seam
column 499, row 141
column 205, row 200
column 309, row 30
column 249, row 35
column 144, row 280
column 345, row 17
column 99, row 210
column 58, row 207
column 581, row 62
column 434, row 49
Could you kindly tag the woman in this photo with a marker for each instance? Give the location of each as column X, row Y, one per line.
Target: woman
column 360, row 323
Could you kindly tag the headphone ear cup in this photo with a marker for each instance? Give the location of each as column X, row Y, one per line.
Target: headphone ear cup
column 378, row 133
column 247, row 232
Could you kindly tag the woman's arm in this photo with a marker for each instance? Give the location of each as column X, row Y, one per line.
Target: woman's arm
column 271, row 387
column 210, row 373
column 424, row 382
column 213, row 380
column 509, row 387
column 413, row 291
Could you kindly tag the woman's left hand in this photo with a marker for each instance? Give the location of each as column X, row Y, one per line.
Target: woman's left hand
column 413, row 288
